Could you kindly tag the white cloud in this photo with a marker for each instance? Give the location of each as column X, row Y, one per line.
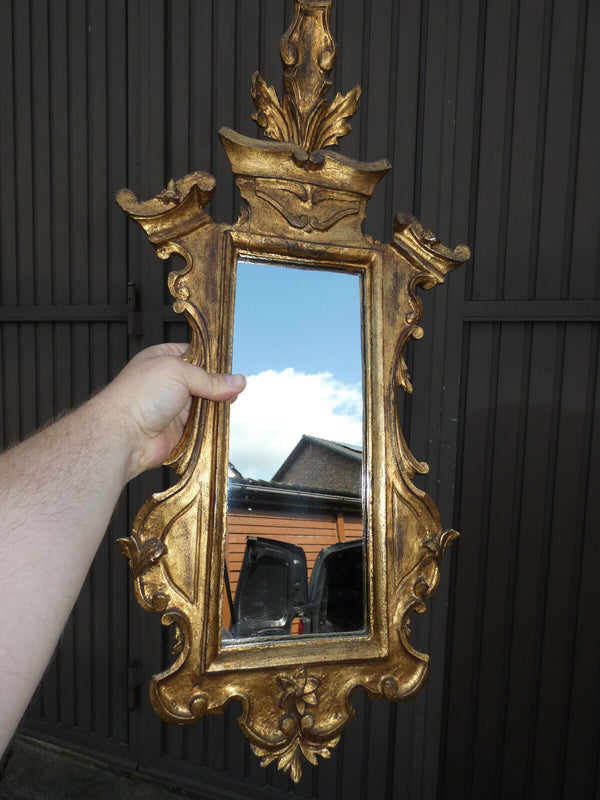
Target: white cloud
column 277, row 408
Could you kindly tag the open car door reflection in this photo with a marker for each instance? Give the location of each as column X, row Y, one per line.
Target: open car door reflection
column 274, row 597
column 294, row 552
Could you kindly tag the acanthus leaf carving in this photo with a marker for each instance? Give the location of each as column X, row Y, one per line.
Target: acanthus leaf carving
column 323, row 127
column 304, row 117
column 142, row 556
column 297, row 724
column 331, row 123
column 277, row 121
column 422, row 580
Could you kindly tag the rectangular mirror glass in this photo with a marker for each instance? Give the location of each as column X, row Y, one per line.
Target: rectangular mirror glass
column 294, row 552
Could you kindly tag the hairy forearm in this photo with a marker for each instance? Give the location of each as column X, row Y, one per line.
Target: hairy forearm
column 57, row 493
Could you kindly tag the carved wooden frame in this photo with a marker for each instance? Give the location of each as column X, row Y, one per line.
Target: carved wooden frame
column 302, row 204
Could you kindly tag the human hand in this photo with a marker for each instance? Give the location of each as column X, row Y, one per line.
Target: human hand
column 151, row 398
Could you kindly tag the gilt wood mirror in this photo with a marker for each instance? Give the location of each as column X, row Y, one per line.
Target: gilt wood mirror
column 294, row 546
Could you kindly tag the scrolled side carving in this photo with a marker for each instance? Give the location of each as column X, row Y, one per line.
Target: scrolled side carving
column 170, row 219
column 175, row 212
column 425, row 251
column 421, row 581
column 182, row 454
column 143, row 556
column 429, row 261
column 424, row 577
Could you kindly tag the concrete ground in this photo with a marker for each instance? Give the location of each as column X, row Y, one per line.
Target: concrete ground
column 34, row 770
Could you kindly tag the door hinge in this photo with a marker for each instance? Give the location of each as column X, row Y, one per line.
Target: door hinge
column 134, row 316
column 134, row 681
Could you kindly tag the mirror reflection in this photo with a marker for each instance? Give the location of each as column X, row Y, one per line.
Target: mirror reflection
column 294, row 540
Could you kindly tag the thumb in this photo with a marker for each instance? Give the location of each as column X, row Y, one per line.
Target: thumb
column 211, row 386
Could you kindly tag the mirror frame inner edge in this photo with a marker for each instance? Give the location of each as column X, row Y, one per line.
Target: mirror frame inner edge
column 373, row 643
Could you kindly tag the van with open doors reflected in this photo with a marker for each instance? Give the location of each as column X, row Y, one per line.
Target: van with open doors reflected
column 274, row 597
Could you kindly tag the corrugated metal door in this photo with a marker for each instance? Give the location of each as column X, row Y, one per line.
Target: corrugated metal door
column 523, row 681
column 488, row 111
column 64, row 313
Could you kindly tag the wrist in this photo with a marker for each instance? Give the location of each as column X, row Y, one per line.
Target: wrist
column 111, row 422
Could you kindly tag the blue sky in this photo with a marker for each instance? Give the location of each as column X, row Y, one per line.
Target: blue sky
column 300, row 318
column 297, row 339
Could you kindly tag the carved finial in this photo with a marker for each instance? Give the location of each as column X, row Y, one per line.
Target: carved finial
column 308, row 54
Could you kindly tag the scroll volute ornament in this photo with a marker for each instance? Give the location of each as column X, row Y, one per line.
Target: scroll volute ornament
column 302, row 204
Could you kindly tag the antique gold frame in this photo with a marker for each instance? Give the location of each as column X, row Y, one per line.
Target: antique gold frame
column 302, row 204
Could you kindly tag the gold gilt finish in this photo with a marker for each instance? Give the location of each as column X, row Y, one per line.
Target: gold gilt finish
column 301, row 205
column 308, row 54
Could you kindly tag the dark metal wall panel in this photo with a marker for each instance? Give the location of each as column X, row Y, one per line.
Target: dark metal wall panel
column 522, row 582
column 46, row 367
column 64, row 151
column 522, row 649
column 488, row 111
column 536, row 69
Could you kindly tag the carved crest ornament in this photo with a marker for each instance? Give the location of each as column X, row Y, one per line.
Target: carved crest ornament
column 302, row 203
